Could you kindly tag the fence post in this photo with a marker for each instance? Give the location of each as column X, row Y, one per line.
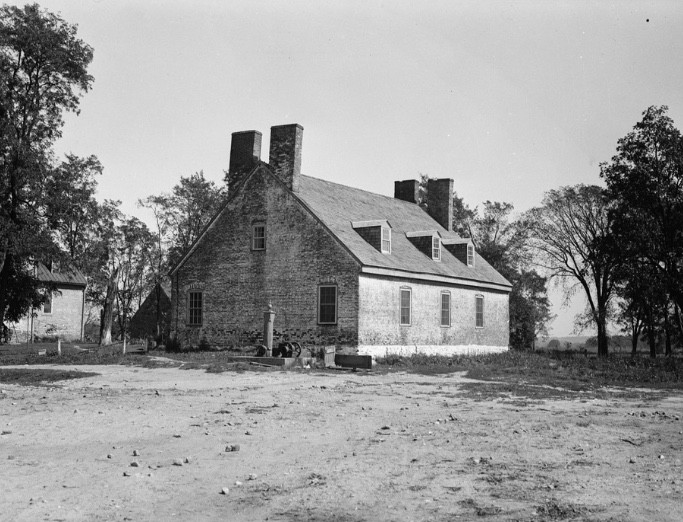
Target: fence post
column 59, row 347
column 268, row 320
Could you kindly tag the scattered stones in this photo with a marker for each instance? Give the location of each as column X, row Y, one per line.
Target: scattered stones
column 232, row 447
column 177, row 462
column 225, row 491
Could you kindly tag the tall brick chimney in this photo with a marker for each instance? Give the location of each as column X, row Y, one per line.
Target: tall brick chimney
column 407, row 190
column 440, row 201
column 245, row 152
column 285, row 153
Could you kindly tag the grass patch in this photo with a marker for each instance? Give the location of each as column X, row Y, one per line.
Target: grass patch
column 37, row 377
column 567, row 370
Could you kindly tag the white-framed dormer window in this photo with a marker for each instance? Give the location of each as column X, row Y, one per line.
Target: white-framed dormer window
column 258, row 237
column 470, row 255
column 436, row 248
column 386, row 240
column 479, row 311
column 405, row 306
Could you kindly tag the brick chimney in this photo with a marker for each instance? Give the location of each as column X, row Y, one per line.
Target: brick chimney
column 407, row 190
column 440, row 201
column 245, row 153
column 285, row 153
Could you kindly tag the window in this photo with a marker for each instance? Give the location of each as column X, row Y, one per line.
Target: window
column 479, row 311
column 445, row 309
column 327, row 304
column 386, row 240
column 194, row 316
column 470, row 255
column 436, row 249
column 405, row 306
column 47, row 305
column 258, row 237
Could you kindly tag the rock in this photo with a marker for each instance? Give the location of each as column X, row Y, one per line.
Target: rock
column 632, row 460
column 247, row 433
column 177, row 462
column 238, row 483
column 232, row 447
column 126, row 473
column 136, row 453
column 225, row 491
column 187, row 460
column 661, row 457
column 177, row 435
column 385, row 428
column 109, row 456
column 135, row 464
column 253, row 476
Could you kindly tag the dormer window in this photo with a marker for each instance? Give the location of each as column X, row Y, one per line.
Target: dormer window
column 376, row 232
column 436, row 248
column 470, row 255
column 386, row 240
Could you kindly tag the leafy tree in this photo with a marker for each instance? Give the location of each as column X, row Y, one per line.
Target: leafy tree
column 43, row 71
column 645, row 185
column 571, row 232
column 185, row 212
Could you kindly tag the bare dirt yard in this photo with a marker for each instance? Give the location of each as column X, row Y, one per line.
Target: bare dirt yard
column 114, row 442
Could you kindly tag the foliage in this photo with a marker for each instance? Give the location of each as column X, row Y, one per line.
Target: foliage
column 571, row 232
column 645, row 185
column 183, row 214
column 43, row 72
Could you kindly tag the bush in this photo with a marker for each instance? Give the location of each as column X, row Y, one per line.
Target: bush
column 173, row 345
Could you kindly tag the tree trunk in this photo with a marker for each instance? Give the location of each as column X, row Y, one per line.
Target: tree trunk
column 108, row 312
column 603, row 349
column 634, row 341
column 652, row 342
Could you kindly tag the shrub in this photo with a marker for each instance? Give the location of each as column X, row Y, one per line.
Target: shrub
column 173, row 345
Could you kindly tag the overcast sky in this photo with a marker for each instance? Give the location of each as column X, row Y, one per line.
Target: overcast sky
column 508, row 98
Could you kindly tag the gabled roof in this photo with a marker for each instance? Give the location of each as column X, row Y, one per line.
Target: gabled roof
column 64, row 276
column 338, row 207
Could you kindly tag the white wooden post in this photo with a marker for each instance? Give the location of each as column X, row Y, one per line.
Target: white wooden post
column 59, row 347
column 124, row 343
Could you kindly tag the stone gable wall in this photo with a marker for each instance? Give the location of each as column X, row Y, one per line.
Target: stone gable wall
column 238, row 283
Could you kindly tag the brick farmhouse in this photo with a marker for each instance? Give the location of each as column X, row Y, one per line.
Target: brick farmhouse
column 340, row 266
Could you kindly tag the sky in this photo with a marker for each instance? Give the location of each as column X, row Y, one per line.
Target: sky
column 508, row 98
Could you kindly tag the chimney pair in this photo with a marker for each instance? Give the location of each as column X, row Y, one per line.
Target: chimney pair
column 439, row 198
column 285, row 154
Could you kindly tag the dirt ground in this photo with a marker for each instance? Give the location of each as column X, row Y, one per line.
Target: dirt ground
column 132, row 443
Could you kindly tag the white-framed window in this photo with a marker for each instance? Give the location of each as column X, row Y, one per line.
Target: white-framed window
column 47, row 305
column 405, row 306
column 194, row 308
column 386, row 240
column 436, row 248
column 258, row 237
column 445, row 308
column 479, row 311
column 327, row 304
column 470, row 255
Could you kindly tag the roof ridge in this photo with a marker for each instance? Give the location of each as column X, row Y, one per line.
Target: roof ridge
column 360, row 190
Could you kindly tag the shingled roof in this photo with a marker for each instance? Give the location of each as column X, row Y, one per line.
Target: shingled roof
column 338, row 207
column 64, row 276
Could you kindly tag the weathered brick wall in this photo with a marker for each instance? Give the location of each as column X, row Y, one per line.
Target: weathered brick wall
column 64, row 322
column 238, row 283
column 379, row 315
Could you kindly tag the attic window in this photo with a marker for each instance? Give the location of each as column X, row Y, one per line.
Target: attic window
column 436, row 248
column 376, row 232
column 386, row 240
column 258, row 238
column 470, row 255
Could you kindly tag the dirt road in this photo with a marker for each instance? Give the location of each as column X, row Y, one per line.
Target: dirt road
column 140, row 444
